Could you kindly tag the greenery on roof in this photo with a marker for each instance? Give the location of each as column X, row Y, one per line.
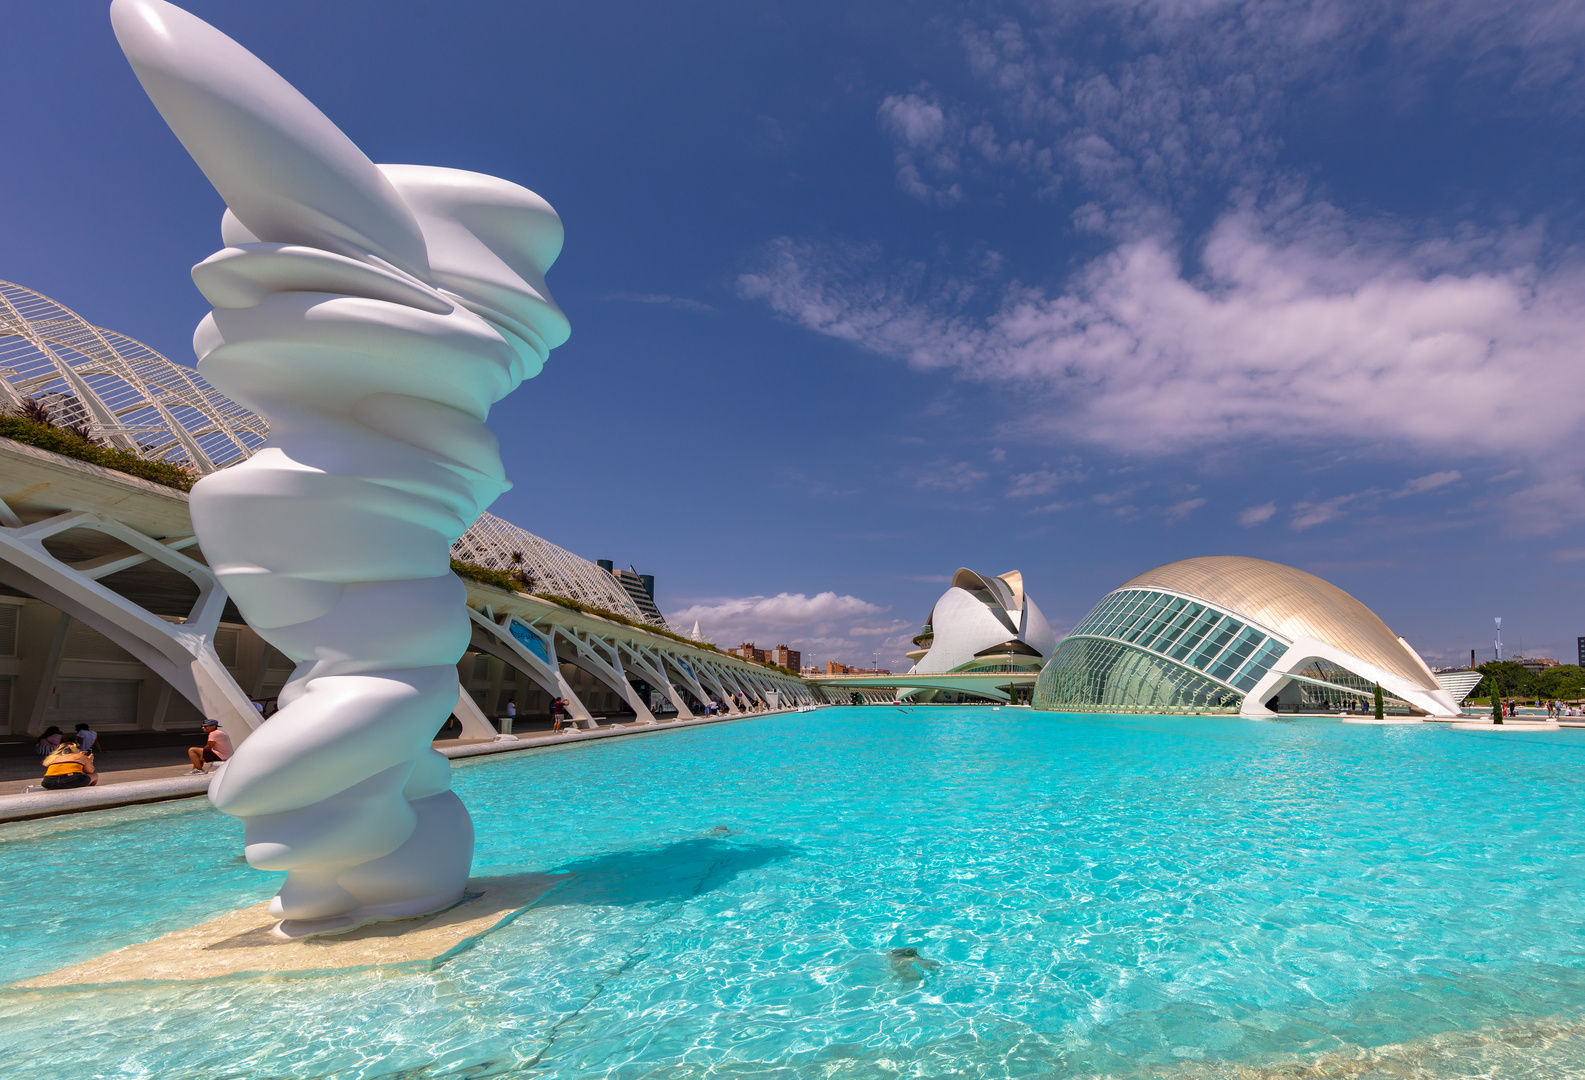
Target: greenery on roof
column 506, row 582
column 36, row 429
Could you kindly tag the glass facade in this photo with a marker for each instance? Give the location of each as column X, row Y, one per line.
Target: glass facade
column 1322, row 686
column 1088, row 674
column 1144, row 650
column 1187, row 632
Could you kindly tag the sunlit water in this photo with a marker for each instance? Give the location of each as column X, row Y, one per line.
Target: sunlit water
column 1088, row 896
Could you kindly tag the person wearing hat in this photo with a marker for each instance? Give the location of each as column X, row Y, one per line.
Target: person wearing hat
column 217, row 747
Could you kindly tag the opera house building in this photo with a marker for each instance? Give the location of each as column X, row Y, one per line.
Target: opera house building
column 983, row 623
column 1234, row 635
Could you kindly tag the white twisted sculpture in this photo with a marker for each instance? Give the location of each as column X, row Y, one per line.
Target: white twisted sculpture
column 372, row 314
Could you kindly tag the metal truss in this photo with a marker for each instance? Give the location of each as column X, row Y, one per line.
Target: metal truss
column 183, row 654
column 493, row 543
column 122, row 391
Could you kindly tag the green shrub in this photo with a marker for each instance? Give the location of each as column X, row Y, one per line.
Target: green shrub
column 57, row 440
column 499, row 579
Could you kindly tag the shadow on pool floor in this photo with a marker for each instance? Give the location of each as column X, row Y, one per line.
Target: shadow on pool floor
column 672, row 872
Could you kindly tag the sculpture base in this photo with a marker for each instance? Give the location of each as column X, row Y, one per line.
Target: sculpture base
column 244, row 943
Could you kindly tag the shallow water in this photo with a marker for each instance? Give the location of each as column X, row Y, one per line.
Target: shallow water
column 1085, row 896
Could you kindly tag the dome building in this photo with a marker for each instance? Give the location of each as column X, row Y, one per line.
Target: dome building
column 1234, row 635
column 983, row 624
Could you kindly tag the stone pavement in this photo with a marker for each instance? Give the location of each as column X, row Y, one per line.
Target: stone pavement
column 127, row 778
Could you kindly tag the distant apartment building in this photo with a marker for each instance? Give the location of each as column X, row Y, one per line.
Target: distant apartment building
column 834, row 668
column 1536, row 664
column 781, row 655
column 641, row 587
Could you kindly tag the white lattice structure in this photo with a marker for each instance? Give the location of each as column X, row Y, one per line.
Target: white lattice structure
column 126, row 394
column 493, row 543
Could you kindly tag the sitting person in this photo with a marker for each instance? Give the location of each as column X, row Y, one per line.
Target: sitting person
column 87, row 738
column 48, row 742
column 217, row 747
column 68, row 766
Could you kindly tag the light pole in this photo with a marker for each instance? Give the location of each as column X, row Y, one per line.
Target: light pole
column 1497, row 645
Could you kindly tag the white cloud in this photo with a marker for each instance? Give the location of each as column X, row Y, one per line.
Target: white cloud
column 1257, row 515
column 928, row 143
column 881, row 630
column 1292, row 333
column 1039, row 482
column 1431, row 482
column 1180, row 510
column 960, row 476
column 1144, row 103
column 824, row 626
column 1288, row 322
column 1545, row 507
column 1307, row 515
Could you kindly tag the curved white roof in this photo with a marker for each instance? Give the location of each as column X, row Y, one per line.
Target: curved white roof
column 1293, row 603
column 977, row 616
column 125, row 393
column 492, row 543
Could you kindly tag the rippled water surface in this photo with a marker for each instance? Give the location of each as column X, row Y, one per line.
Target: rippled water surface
column 1083, row 896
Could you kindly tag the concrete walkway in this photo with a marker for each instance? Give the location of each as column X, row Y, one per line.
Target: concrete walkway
column 144, row 782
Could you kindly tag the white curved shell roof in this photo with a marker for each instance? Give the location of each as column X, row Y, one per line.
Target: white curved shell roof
column 977, row 614
column 491, row 542
column 1291, row 602
column 125, row 393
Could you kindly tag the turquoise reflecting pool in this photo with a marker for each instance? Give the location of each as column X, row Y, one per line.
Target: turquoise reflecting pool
column 1086, row 896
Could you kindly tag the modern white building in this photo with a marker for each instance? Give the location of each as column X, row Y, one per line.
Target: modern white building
column 1235, row 635
column 983, row 624
column 110, row 615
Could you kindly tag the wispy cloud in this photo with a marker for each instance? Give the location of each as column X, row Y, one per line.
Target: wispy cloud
column 954, row 476
column 682, row 303
column 1040, row 482
column 1180, row 510
column 1257, row 515
column 1279, row 340
column 882, row 629
column 1431, row 482
column 1307, row 515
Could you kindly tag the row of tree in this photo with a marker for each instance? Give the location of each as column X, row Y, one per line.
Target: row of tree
column 1564, row 682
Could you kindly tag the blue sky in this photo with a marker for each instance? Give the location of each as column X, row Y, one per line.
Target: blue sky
column 864, row 292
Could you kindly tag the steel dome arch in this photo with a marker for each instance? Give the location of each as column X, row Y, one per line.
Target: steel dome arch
column 125, row 393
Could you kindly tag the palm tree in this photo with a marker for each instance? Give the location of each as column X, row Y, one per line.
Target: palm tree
column 521, row 573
